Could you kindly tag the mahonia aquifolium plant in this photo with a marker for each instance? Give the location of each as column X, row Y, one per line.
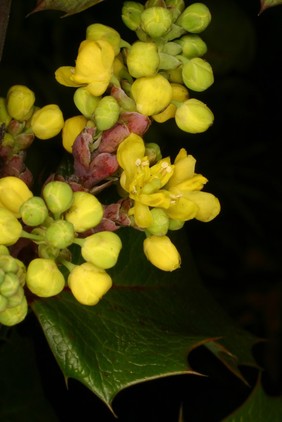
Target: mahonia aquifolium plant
column 120, row 90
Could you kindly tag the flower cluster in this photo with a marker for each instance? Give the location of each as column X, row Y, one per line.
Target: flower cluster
column 120, row 90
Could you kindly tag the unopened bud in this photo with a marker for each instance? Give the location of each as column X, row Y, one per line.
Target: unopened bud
column 16, row 299
column 34, row 211
column 106, row 113
column 47, row 251
column 153, row 152
column 72, row 128
column 20, row 101
column 192, row 46
column 10, row 285
column 175, row 7
column 142, row 59
column 58, row 196
column 197, row 74
column 194, row 116
column 85, row 213
column 172, row 48
column 167, row 61
column 151, row 94
column 102, row 249
column 162, row 253
column 43, row 278
column 88, row 283
column 156, row 21
column 47, row 122
column 85, row 102
column 4, row 250
column 4, row 115
column 195, row 18
column 13, row 193
column 98, row 31
column 60, row 234
column 10, row 228
column 159, row 226
column 175, row 224
column 14, row 315
column 131, row 14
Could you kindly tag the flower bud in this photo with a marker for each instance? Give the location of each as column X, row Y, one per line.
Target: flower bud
column 3, row 303
column 179, row 93
column 72, row 128
column 60, row 234
column 192, row 46
column 20, row 101
column 13, row 193
column 4, row 250
column 175, row 7
column 195, row 18
column 10, row 285
column 10, row 228
column 175, row 224
column 47, row 122
column 16, row 299
column 131, row 14
column 193, row 116
column 8, row 264
column 151, row 94
column 34, row 211
column 58, row 196
column 197, row 74
column 43, row 278
column 85, row 102
column 159, row 226
column 167, row 61
column 142, row 59
column 172, row 48
column 14, row 315
column 48, row 251
column 85, row 213
column 98, row 31
column 102, row 249
column 162, row 253
column 156, row 21
column 4, row 115
column 153, row 152
column 106, row 113
column 88, row 283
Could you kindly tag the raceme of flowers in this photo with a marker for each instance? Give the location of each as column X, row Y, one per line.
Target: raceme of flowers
column 120, row 89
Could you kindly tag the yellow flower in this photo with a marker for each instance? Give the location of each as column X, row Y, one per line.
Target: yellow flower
column 93, row 68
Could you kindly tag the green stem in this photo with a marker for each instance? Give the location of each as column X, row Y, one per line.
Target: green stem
column 78, row 241
column 69, row 265
column 32, row 236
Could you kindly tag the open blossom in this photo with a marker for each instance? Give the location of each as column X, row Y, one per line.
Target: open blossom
column 93, row 68
column 174, row 187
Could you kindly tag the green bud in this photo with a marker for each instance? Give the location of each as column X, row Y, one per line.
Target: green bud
column 106, row 113
column 88, row 283
column 193, row 116
column 58, row 196
column 131, row 14
column 142, row 59
column 159, row 226
column 48, row 251
column 3, row 303
column 4, row 115
column 10, row 285
column 156, row 21
column 16, row 299
column 172, row 48
column 168, row 62
column 195, row 18
column 21, row 272
column 47, row 122
column 34, row 211
column 20, row 101
column 85, row 102
column 60, row 234
column 98, row 31
column 197, row 74
column 10, row 228
column 2, row 275
column 175, row 224
column 102, row 249
column 4, row 250
column 175, row 7
column 175, row 32
column 192, row 46
column 153, row 152
column 14, row 315
column 43, row 278
column 85, row 213
column 9, row 264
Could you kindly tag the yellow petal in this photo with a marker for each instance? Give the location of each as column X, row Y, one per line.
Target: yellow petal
column 64, row 75
column 129, row 152
column 183, row 209
column 208, row 206
column 142, row 215
column 184, row 166
column 196, row 183
column 159, row 199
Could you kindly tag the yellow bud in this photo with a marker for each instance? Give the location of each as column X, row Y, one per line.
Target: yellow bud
column 98, row 31
column 10, row 228
column 162, row 253
column 102, row 249
column 151, row 94
column 88, row 283
column 43, row 277
column 20, row 101
column 13, row 193
column 47, row 122
column 142, row 59
column 85, row 213
column 194, row 116
column 14, row 315
column 197, row 74
column 72, row 128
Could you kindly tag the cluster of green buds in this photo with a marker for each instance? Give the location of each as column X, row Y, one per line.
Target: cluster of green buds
column 55, row 221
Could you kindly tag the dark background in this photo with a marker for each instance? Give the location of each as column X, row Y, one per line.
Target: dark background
column 238, row 255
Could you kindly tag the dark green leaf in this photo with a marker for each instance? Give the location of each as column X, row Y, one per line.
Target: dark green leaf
column 69, row 6
column 265, row 4
column 258, row 407
column 144, row 328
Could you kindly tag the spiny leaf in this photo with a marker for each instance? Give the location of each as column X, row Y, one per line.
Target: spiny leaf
column 265, row 4
column 144, row 328
column 69, row 6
